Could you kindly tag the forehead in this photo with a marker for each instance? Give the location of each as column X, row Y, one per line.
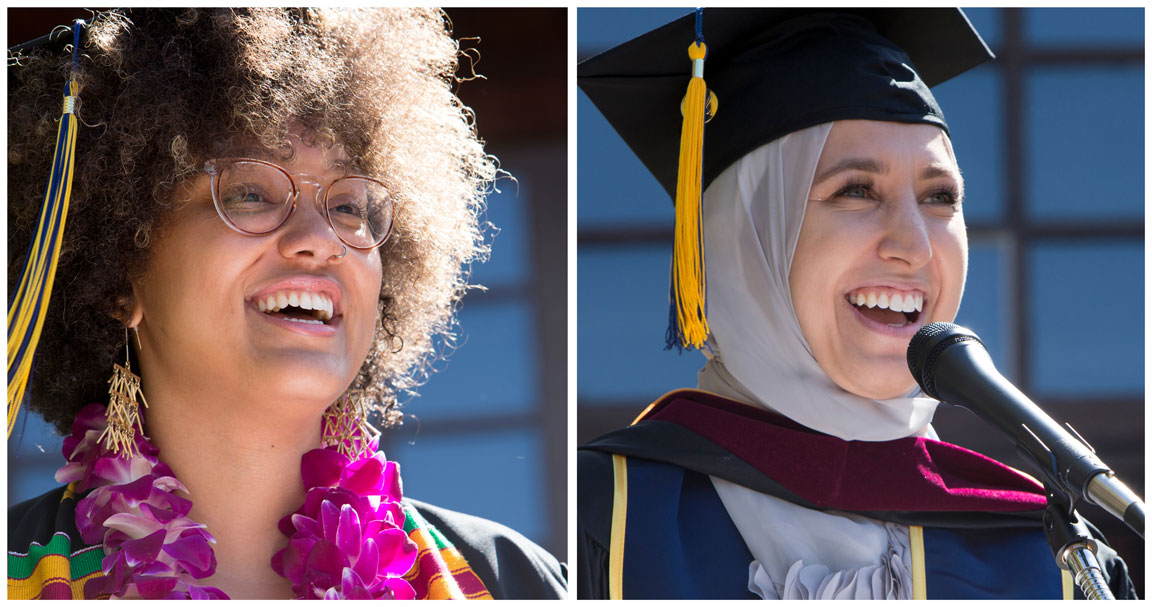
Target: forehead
column 299, row 152
column 312, row 158
column 889, row 143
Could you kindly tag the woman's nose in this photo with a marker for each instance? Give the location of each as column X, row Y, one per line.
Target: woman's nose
column 906, row 236
column 307, row 232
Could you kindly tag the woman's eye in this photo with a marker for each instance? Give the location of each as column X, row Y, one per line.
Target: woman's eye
column 855, row 190
column 349, row 207
column 945, row 197
column 245, row 199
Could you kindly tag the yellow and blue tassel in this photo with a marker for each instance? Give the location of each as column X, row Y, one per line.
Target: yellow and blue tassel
column 29, row 306
column 687, row 309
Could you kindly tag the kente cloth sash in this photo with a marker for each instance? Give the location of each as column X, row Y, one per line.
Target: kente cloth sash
column 974, row 522
column 60, row 568
column 440, row 571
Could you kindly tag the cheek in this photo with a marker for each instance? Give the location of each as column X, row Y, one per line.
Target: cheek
column 952, row 252
column 812, row 278
column 185, row 272
column 367, row 293
column 824, row 254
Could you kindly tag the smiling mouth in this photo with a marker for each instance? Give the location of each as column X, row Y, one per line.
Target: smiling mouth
column 888, row 308
column 297, row 306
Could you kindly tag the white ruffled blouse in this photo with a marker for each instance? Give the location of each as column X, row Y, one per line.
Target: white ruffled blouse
column 801, row 553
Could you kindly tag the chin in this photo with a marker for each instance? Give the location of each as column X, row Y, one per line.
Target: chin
column 307, row 382
column 892, row 384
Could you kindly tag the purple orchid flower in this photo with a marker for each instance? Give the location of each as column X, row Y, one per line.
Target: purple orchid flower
column 347, row 541
column 150, row 544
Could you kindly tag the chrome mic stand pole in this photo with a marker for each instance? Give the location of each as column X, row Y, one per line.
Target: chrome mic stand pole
column 1073, row 546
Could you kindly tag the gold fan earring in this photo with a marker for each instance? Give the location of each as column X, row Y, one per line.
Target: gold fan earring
column 346, row 424
column 123, row 410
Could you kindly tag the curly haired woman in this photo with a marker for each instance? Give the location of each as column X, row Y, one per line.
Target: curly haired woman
column 270, row 219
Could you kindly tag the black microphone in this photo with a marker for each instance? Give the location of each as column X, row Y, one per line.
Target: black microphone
column 952, row 365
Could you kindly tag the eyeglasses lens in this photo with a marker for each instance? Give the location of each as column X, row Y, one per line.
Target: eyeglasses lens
column 360, row 210
column 255, row 197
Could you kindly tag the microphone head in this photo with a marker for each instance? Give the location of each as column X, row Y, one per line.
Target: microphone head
column 926, row 347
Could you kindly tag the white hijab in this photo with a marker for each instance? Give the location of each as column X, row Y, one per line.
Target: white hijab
column 757, row 354
column 752, row 217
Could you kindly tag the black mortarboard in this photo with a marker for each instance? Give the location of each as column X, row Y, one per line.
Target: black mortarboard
column 769, row 72
column 775, row 71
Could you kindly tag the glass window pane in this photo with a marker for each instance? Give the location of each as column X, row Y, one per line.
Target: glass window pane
column 617, row 190
column 985, row 308
column 1080, row 26
column 492, row 370
column 623, row 312
column 496, row 476
column 509, row 262
column 33, row 457
column 1087, row 318
column 971, row 104
column 1085, row 143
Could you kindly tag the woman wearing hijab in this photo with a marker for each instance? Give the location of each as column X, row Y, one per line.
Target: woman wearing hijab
column 271, row 214
column 804, row 465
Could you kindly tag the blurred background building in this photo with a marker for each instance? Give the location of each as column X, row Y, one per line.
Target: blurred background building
column 488, row 434
column 1050, row 138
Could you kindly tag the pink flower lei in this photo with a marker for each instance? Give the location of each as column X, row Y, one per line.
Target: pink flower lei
column 346, row 541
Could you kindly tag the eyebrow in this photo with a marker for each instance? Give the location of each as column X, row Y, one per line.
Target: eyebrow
column 936, row 170
column 869, row 165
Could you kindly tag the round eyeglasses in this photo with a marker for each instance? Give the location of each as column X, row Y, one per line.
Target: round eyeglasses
column 256, row 197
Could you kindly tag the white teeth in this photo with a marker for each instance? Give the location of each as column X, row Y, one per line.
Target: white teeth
column 307, row 321
column 897, row 302
column 319, row 303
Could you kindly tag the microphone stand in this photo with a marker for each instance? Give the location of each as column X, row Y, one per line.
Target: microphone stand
column 1072, row 544
column 1065, row 461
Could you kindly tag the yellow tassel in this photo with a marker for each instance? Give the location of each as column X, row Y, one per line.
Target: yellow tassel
column 688, row 281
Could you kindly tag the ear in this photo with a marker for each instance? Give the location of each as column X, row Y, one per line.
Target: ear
column 127, row 310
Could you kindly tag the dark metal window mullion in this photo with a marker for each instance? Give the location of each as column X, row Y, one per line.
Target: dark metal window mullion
column 1015, row 190
column 549, row 298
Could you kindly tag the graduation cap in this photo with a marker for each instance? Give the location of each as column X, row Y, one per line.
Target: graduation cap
column 28, row 306
column 769, row 72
